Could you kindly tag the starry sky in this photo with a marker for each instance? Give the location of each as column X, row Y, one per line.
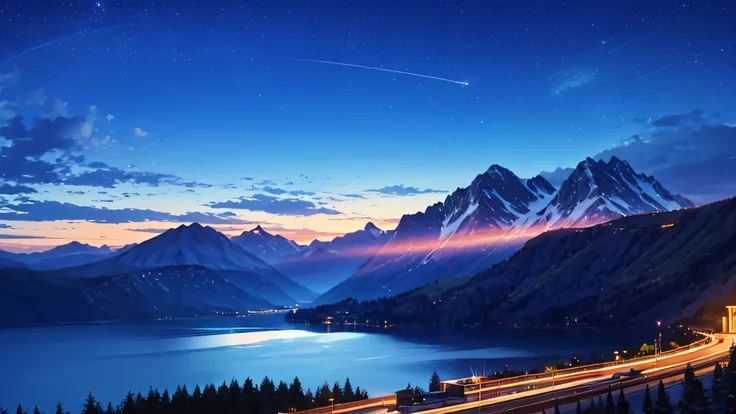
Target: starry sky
column 121, row 118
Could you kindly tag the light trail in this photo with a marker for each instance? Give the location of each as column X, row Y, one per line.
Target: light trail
column 401, row 72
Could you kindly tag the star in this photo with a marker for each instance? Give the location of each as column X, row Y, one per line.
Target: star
column 109, row 117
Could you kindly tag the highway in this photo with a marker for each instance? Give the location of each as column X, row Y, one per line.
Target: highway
column 534, row 393
column 540, row 395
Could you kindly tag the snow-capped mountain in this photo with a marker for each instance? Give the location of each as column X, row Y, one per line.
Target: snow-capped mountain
column 484, row 223
column 452, row 238
column 190, row 245
column 597, row 191
column 322, row 265
column 199, row 246
column 271, row 248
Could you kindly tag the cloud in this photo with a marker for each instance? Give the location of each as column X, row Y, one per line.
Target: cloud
column 54, row 210
column 352, row 195
column 36, row 98
column 272, row 190
column 247, row 179
column 98, row 164
column 694, row 118
column 401, row 190
column 697, row 161
column 275, row 205
column 5, row 226
column 109, row 177
column 21, row 236
column 573, row 79
column 301, row 193
column 139, row 132
column 8, row 189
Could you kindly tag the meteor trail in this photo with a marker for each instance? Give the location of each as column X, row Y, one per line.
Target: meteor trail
column 60, row 39
column 419, row 75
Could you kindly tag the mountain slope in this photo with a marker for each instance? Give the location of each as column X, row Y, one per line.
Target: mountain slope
column 266, row 246
column 8, row 263
column 322, row 265
column 478, row 226
column 456, row 237
column 196, row 245
column 30, row 297
column 634, row 270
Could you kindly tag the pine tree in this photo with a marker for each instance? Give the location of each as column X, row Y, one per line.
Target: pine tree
column 435, row 384
column 127, row 406
column 693, row 396
column 578, row 409
column 599, row 408
column 347, row 391
column 90, row 405
column 719, row 389
column 165, row 402
column 59, row 408
column 110, row 409
column 590, row 409
column 610, row 406
column 647, row 407
column 622, row 406
column 337, row 393
column 557, row 409
column 662, row 405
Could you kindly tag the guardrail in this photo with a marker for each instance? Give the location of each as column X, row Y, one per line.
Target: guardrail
column 385, row 401
column 570, row 371
column 390, row 400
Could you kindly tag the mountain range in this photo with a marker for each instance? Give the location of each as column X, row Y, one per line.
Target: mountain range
column 473, row 229
column 671, row 266
column 486, row 222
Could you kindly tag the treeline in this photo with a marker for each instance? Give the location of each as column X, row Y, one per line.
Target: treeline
column 250, row 398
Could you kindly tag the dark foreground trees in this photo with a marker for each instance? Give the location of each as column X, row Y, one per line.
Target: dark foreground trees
column 250, row 398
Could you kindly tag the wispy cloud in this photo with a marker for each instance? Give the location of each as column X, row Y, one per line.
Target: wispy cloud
column 139, row 132
column 402, row 190
column 573, row 79
column 275, row 205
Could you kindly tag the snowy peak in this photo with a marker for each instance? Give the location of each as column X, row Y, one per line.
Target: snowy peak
column 540, row 186
column 598, row 191
column 271, row 248
column 190, row 245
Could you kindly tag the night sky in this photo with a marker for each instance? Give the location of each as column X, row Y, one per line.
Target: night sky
column 139, row 114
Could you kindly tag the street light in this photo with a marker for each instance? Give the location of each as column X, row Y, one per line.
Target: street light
column 332, row 410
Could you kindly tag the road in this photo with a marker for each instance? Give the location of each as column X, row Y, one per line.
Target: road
column 531, row 394
column 535, row 396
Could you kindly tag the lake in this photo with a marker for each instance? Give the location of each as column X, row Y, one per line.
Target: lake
column 43, row 365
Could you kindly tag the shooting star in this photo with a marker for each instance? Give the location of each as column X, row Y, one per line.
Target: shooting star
column 61, row 39
column 636, row 39
column 401, row 72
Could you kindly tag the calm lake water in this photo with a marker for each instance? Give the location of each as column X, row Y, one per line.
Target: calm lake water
column 44, row 365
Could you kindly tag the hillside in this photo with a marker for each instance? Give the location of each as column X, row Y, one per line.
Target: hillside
column 634, row 270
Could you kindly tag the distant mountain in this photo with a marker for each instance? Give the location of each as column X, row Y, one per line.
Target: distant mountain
column 266, row 246
column 8, row 263
column 67, row 255
column 671, row 266
column 31, row 297
column 597, row 191
column 322, row 265
column 486, row 222
column 196, row 245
